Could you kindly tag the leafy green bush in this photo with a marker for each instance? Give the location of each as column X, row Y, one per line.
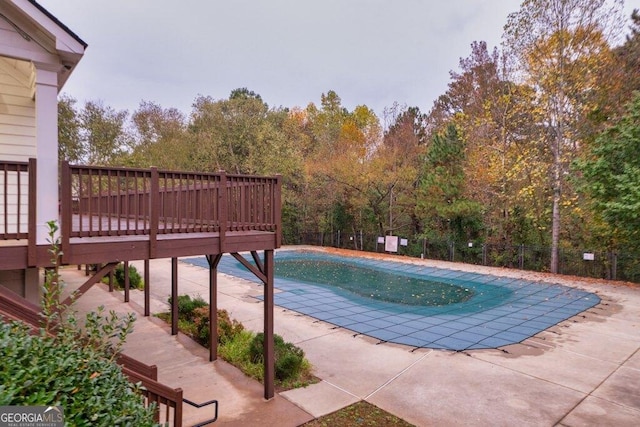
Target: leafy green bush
column 69, row 365
column 288, row 357
column 135, row 281
column 47, row 370
column 187, row 306
column 227, row 327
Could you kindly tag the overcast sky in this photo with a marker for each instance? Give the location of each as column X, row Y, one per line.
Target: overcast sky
column 371, row 52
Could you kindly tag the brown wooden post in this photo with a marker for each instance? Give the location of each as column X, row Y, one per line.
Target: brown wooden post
column 111, row 281
column 126, row 281
column 147, row 289
column 277, row 200
column 222, row 209
column 213, row 305
column 174, row 296
column 32, row 257
column 154, row 212
column 269, row 356
column 67, row 212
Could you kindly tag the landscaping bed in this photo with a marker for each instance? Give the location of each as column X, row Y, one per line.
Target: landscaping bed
column 241, row 347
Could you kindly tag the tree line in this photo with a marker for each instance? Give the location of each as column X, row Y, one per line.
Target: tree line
column 535, row 142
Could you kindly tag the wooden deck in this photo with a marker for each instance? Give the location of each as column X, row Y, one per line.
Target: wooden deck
column 124, row 214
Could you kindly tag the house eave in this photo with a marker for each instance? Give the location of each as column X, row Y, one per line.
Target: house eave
column 65, row 49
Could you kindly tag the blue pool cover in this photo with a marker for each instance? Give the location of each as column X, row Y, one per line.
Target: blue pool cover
column 502, row 310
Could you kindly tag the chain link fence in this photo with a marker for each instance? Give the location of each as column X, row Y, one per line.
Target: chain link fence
column 576, row 262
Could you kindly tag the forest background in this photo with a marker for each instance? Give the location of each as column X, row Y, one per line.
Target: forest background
column 535, row 144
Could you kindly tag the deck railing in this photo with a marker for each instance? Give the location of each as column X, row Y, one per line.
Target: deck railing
column 113, row 202
column 105, row 201
column 168, row 400
column 17, row 204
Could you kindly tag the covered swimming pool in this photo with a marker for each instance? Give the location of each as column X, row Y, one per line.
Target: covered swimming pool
column 413, row 304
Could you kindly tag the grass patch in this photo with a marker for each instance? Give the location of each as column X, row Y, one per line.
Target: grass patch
column 357, row 415
column 236, row 352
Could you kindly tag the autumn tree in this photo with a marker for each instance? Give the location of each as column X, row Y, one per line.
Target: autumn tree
column 103, row 133
column 96, row 134
column 161, row 138
column 560, row 44
column 228, row 134
column 398, row 164
column 618, row 81
column 493, row 114
column 338, row 163
column 323, row 125
column 629, row 54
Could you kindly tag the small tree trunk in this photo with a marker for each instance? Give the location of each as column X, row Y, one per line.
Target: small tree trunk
column 555, row 231
column 557, row 198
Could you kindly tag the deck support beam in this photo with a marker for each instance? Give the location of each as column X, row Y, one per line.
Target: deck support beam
column 127, row 284
column 269, row 355
column 89, row 283
column 213, row 260
column 147, row 288
column 174, row 296
column 263, row 270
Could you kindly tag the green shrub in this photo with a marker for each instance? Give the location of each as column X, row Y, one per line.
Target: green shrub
column 69, row 365
column 46, row 370
column 227, row 327
column 187, row 306
column 135, row 281
column 288, row 357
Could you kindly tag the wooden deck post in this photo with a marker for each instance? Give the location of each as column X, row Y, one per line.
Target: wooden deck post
column 174, row 296
column 66, row 210
column 269, row 356
column 147, row 289
column 127, row 285
column 32, row 257
column 222, row 209
column 214, row 260
column 277, row 215
column 154, row 212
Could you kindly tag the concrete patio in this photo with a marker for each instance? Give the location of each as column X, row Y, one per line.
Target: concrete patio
column 584, row 371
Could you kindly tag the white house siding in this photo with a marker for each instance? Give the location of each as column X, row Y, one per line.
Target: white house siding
column 17, row 143
column 17, row 140
column 17, row 111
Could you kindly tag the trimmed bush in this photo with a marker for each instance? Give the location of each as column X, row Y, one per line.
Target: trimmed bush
column 45, row 370
column 70, row 365
column 135, row 281
column 288, row 357
column 227, row 327
column 187, row 306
